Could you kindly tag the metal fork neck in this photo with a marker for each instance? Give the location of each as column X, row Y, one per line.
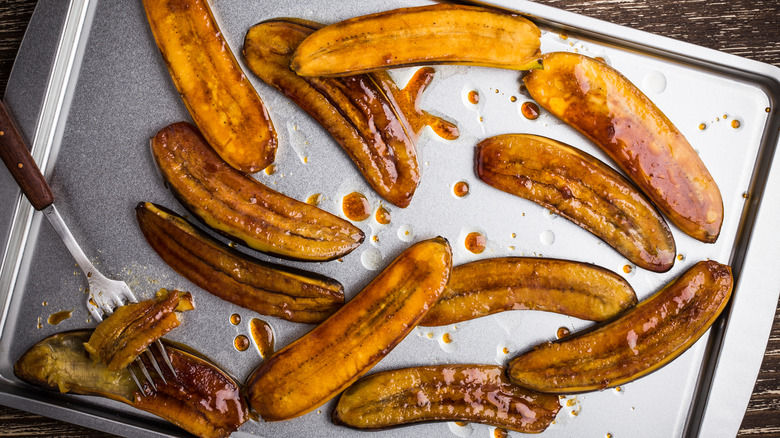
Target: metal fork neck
column 59, row 226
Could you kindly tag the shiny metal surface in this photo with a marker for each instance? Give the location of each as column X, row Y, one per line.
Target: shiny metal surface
column 121, row 95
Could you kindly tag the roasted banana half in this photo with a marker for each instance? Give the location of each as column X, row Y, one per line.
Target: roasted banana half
column 436, row 34
column 265, row 288
column 325, row 361
column 473, row 393
column 219, row 97
column 494, row 285
column 582, row 189
column 642, row 340
column 602, row 104
column 357, row 111
column 200, row 398
column 240, row 207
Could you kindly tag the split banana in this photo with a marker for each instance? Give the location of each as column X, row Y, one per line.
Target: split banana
column 219, row 97
column 356, row 110
column 494, row 285
column 436, row 34
column 606, row 107
column 473, row 393
column 325, row 361
column 582, row 189
column 265, row 288
column 243, row 209
column 642, row 340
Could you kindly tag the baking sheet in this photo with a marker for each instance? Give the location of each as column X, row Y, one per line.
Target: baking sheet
column 101, row 168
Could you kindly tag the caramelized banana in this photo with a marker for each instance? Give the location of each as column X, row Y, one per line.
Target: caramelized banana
column 200, row 398
column 644, row 339
column 265, row 288
column 473, row 393
column 606, row 107
column 242, row 208
column 356, row 110
column 221, row 100
column 582, row 189
column 436, row 34
column 494, row 285
column 319, row 365
column 126, row 333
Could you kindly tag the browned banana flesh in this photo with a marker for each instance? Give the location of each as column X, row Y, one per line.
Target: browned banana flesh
column 322, row 363
column 242, row 208
column 580, row 188
column 355, row 109
column 265, row 288
column 473, row 393
column 494, row 285
column 435, row 34
column 219, row 97
column 602, row 104
column 642, row 340
column 200, row 398
column 127, row 332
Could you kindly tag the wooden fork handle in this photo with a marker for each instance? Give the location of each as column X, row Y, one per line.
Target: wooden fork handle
column 17, row 158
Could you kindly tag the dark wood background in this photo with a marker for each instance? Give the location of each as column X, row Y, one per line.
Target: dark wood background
column 749, row 28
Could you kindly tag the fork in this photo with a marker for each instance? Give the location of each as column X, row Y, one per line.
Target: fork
column 105, row 295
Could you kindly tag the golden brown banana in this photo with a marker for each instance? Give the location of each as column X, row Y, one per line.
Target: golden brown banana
column 322, row 363
column 127, row 332
column 200, row 398
column 265, row 288
column 582, row 189
column 494, row 285
column 242, row 208
column 355, row 110
column 642, row 340
column 220, row 99
column 606, row 107
column 436, row 34
column 473, row 393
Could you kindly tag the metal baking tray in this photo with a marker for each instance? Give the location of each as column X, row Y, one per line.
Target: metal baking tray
column 89, row 89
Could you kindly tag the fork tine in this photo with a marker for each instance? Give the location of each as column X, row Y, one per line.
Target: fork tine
column 155, row 365
column 164, row 353
column 135, row 379
column 146, row 372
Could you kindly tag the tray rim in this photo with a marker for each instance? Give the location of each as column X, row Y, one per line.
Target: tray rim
column 61, row 84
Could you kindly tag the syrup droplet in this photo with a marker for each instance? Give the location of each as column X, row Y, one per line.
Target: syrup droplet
column 40, row 325
column 473, row 97
column 563, row 36
column 735, row 124
column 375, row 238
column 500, row 433
column 475, row 242
column 461, row 189
column 271, row 169
column 56, row 318
column 314, row 199
column 446, row 338
column 461, row 423
column 408, row 101
column 356, row 207
column 530, row 110
column 235, row 319
column 505, row 350
column 382, row 216
column 627, row 269
column 263, row 335
column 571, row 402
column 45, row 303
column 680, row 257
column 241, row 343
column 702, row 126
column 745, row 195
column 767, row 109
column 513, row 99
column 562, row 331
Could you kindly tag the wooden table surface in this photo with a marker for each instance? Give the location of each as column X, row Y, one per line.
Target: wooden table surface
column 749, row 28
